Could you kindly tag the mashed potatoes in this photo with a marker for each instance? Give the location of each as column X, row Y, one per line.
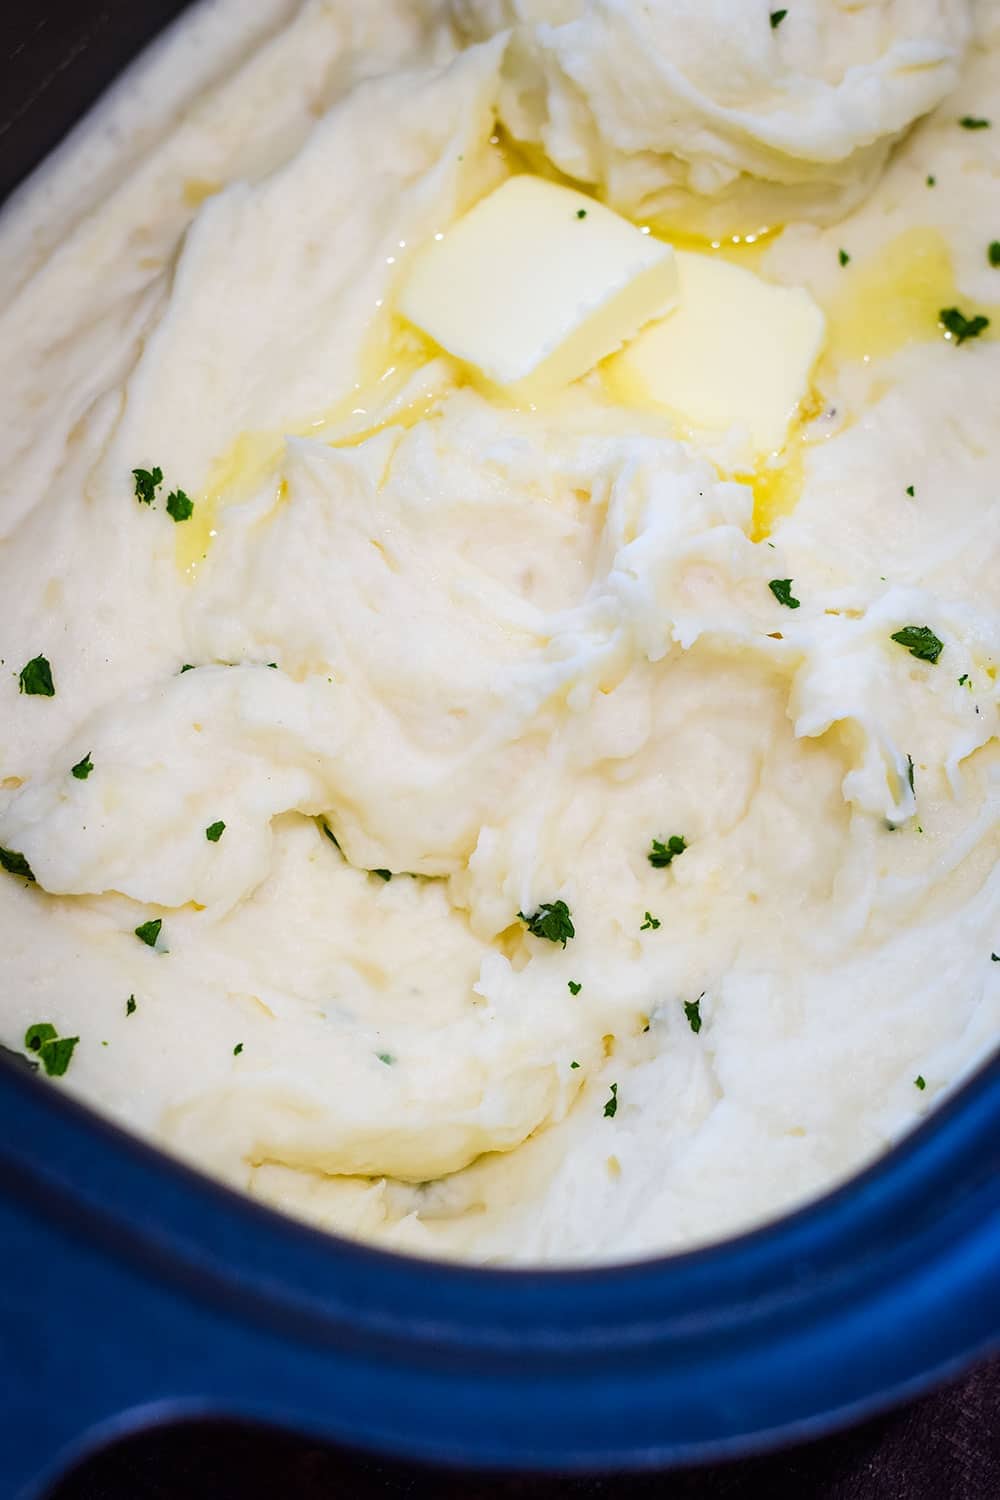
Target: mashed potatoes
column 510, row 832
column 719, row 115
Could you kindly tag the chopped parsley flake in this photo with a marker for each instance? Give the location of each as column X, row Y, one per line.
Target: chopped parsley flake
column 611, row 1108
column 777, row 16
column 83, row 768
column 179, row 507
column 909, row 773
column 911, row 490
column 664, row 854
column 551, row 921
column 148, row 932
column 187, row 667
column 385, row 1057
column 575, row 986
column 974, row 122
column 959, row 326
column 963, row 679
column 36, row 678
column 147, row 482
column 920, row 1081
column 692, row 1009
column 931, row 181
column 36, row 1036
column 781, row 588
column 53, row 1050
column 383, row 874
column 650, row 922
column 130, row 1006
column 214, row 831
column 581, row 213
column 574, row 1064
column 15, row 864
column 237, row 1049
column 920, row 641
column 843, row 257
column 661, row 855
column 995, row 957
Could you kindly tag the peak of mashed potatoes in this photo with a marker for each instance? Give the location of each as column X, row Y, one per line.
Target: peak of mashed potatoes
column 705, row 114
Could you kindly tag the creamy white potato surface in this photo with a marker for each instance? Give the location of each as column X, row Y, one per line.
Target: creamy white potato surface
column 523, row 831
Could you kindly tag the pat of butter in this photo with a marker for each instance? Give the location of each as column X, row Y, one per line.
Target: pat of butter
column 536, row 284
column 737, row 352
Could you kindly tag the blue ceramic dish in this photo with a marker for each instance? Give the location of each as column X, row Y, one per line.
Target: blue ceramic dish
column 135, row 1290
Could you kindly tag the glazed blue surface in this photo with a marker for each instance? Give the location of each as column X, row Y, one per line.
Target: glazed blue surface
column 135, row 1290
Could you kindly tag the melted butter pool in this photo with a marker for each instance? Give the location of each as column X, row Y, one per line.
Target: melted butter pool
column 895, row 298
column 393, row 358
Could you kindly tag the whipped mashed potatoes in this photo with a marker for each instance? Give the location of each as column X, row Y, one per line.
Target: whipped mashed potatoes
column 528, row 831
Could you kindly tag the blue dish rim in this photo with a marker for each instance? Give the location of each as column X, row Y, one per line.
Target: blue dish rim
column 864, row 1296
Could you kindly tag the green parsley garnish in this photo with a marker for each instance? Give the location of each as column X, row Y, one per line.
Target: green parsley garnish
column 187, row 667
column 920, row 641
column 963, row 679
column 575, row 986
column 931, row 181
column 692, row 1009
column 611, row 1108
column 385, row 1057
column 36, row 678
column 83, row 768
column 383, row 874
column 909, row 773
column 148, row 932
column 661, row 855
column 911, row 490
column 214, row 831
column 995, row 957
column 581, row 213
column 551, row 921
column 179, row 507
column 959, row 326
column 37, row 1035
column 920, row 1081
column 843, row 257
column 993, row 253
column 974, row 122
column 651, row 922
column 574, row 1064
column 53, row 1050
column 130, row 1006
column 15, row 864
column 777, row 16
column 237, row 1049
column 781, row 588
column 147, row 482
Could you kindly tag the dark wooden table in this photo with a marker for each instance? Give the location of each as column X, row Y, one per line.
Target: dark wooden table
column 945, row 1447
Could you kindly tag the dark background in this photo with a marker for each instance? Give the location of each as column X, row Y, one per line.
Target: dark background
column 54, row 60
column 946, row 1447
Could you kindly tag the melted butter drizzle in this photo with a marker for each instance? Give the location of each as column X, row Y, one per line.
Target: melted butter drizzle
column 895, row 298
column 885, row 303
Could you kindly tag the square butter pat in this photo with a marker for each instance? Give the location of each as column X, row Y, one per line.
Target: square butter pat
column 536, row 284
column 737, row 352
